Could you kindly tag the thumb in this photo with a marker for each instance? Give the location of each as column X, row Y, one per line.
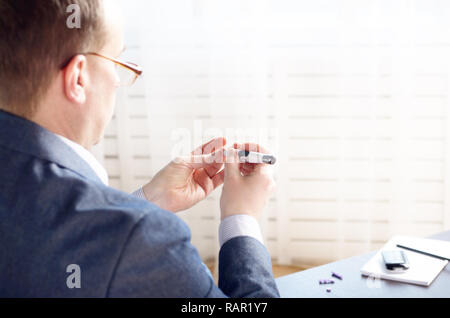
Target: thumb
column 232, row 164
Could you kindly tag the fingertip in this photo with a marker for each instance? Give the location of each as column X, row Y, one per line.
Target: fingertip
column 220, row 142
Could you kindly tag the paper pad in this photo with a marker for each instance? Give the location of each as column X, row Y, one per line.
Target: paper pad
column 423, row 269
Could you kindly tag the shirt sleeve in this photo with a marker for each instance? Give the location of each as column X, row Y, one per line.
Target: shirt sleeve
column 239, row 225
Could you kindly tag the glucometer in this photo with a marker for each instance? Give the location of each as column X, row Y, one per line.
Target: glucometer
column 395, row 260
column 256, row 157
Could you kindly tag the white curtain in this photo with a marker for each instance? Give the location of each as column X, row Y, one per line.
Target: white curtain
column 351, row 96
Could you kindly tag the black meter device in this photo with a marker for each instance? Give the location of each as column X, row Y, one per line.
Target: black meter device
column 395, row 260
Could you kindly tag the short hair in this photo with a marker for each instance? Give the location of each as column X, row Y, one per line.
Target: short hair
column 36, row 40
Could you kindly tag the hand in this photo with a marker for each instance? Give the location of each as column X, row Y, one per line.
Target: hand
column 247, row 187
column 186, row 181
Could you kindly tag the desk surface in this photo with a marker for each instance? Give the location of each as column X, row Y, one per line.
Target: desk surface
column 305, row 284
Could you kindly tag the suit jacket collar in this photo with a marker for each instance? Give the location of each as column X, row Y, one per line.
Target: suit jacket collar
column 25, row 136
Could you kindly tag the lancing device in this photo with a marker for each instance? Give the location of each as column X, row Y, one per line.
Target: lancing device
column 255, row 157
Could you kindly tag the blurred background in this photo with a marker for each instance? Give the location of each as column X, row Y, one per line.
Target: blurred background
column 351, row 96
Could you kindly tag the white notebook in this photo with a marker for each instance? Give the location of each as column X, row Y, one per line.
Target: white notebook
column 423, row 269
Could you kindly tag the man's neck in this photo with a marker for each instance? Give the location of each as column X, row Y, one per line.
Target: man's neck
column 62, row 126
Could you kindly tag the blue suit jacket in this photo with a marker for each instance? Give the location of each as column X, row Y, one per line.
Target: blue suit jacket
column 54, row 212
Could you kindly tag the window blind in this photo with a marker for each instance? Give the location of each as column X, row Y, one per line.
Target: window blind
column 352, row 97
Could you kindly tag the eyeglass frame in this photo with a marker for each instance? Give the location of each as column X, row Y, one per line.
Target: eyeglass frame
column 136, row 69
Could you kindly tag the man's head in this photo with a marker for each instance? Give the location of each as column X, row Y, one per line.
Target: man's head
column 46, row 76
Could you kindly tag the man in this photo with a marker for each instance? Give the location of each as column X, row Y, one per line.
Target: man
column 63, row 231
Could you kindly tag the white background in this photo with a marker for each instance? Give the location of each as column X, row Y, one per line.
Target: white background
column 351, row 96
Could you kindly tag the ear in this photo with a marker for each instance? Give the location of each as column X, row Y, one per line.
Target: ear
column 75, row 79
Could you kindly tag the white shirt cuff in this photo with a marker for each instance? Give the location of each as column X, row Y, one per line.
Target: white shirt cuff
column 140, row 194
column 239, row 225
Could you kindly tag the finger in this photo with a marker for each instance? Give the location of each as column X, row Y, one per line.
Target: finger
column 246, row 170
column 218, row 179
column 232, row 165
column 246, row 173
column 214, row 168
column 249, row 166
column 204, row 181
column 213, row 162
column 211, row 146
column 214, row 145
